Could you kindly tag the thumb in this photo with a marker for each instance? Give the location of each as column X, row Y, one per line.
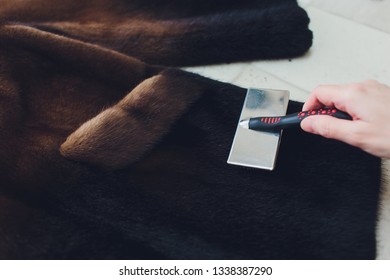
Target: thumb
column 329, row 127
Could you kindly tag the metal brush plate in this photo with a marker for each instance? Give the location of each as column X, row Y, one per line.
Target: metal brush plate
column 254, row 148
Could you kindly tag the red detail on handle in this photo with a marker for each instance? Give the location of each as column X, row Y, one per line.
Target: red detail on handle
column 334, row 111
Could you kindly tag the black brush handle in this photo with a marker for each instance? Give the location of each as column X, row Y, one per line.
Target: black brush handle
column 282, row 122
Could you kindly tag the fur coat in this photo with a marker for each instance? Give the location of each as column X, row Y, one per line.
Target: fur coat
column 107, row 152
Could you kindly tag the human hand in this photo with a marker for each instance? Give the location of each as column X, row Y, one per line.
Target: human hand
column 369, row 105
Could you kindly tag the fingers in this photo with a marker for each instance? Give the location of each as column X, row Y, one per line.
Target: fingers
column 329, row 95
column 367, row 102
column 348, row 98
column 331, row 127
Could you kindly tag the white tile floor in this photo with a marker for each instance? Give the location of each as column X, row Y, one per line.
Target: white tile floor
column 351, row 43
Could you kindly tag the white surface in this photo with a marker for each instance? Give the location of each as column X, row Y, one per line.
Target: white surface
column 374, row 13
column 342, row 52
column 351, row 43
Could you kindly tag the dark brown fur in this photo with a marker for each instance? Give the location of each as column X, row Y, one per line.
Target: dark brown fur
column 174, row 32
column 123, row 133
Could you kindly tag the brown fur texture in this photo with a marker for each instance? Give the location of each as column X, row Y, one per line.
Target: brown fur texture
column 123, row 133
column 173, row 32
column 104, row 156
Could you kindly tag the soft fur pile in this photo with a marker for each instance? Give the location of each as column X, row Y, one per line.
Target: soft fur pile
column 103, row 155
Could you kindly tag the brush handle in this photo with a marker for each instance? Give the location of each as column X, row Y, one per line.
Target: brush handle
column 281, row 122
